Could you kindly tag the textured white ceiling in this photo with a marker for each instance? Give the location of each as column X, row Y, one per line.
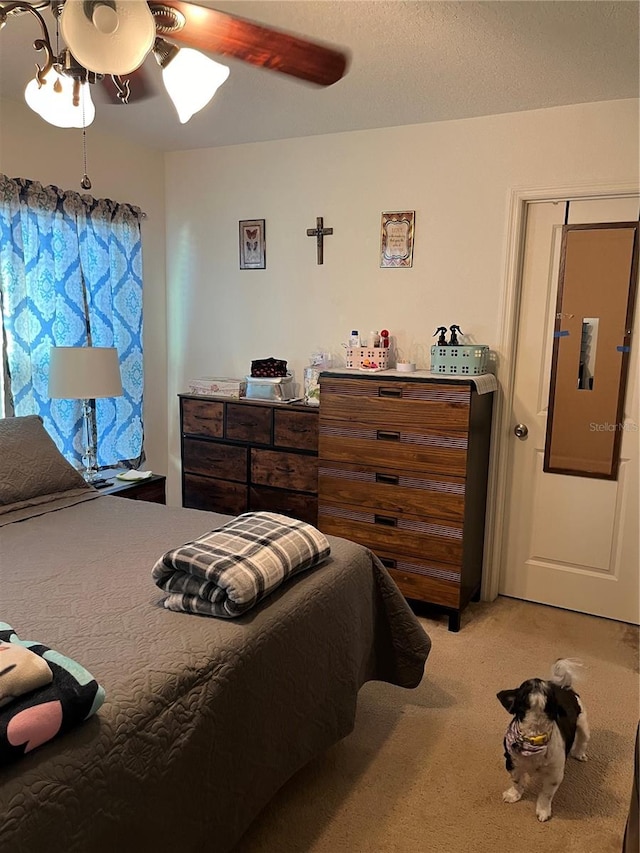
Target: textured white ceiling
column 411, row 62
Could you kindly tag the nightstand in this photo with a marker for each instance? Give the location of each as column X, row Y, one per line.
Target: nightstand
column 150, row 489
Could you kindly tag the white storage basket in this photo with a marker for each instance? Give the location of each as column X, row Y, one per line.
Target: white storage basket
column 368, row 356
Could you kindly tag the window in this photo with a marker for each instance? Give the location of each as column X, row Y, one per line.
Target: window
column 71, row 275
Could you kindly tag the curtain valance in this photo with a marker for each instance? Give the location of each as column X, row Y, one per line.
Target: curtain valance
column 53, row 198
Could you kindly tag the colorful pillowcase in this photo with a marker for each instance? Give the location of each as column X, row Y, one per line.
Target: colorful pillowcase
column 51, row 710
column 21, row 671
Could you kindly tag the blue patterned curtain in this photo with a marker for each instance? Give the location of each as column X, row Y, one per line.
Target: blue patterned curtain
column 71, row 275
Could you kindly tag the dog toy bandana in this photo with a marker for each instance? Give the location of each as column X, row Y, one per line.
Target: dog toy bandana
column 515, row 741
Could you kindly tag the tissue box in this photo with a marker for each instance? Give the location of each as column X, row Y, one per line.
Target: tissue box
column 211, row 386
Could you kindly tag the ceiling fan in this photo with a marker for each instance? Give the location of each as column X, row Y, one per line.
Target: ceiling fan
column 107, row 41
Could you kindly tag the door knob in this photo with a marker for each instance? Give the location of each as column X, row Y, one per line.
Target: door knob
column 521, row 430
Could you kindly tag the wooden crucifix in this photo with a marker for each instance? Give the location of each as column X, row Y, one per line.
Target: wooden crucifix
column 319, row 233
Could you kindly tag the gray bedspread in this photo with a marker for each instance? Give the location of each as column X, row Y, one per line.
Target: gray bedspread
column 204, row 719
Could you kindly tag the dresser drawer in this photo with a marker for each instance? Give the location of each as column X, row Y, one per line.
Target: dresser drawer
column 414, row 450
column 389, row 534
column 295, row 429
column 214, row 495
column 202, row 417
column 388, row 491
column 295, row 504
column 396, row 404
column 438, row 584
column 225, row 461
column 151, row 492
column 151, row 489
column 284, row 470
column 248, row 423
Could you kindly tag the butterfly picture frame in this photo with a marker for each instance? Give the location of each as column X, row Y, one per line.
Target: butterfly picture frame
column 252, row 245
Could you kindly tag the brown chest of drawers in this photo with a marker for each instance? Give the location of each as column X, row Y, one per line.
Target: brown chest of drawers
column 403, row 468
column 240, row 455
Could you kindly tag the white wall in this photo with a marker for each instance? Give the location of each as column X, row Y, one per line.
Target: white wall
column 456, row 175
column 30, row 148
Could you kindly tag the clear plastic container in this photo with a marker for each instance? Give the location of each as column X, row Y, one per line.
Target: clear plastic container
column 312, row 385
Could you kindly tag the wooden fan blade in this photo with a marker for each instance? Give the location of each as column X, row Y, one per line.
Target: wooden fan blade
column 139, row 86
column 219, row 32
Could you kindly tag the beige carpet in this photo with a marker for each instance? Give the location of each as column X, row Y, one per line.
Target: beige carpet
column 423, row 771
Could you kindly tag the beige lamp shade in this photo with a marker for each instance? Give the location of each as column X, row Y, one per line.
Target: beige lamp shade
column 84, row 373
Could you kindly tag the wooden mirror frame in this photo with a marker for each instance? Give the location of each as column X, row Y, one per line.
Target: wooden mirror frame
column 597, row 279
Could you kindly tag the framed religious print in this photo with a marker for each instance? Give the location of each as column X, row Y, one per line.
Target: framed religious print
column 396, row 239
column 252, row 245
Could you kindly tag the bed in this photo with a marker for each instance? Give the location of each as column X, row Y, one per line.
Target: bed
column 204, row 718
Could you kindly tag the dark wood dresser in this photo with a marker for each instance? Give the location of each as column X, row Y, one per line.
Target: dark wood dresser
column 240, row 455
column 403, row 464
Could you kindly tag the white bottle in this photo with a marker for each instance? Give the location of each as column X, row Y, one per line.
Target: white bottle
column 354, row 339
column 375, row 339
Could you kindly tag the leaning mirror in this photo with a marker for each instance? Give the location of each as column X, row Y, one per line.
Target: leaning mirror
column 592, row 340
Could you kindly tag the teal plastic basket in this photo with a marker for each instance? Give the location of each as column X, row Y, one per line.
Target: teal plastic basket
column 464, row 360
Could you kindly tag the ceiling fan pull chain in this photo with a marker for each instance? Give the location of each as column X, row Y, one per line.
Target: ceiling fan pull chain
column 85, row 183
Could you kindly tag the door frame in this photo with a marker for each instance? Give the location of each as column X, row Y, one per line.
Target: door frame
column 509, row 313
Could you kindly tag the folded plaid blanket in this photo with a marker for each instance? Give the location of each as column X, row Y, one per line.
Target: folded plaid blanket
column 50, row 710
column 230, row 569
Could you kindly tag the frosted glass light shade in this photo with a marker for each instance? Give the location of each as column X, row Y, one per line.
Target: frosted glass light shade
column 56, row 107
column 84, row 373
column 191, row 80
column 111, row 41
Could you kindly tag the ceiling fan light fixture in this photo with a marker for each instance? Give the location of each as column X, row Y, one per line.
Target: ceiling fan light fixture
column 53, row 101
column 190, row 78
column 112, row 38
column 108, row 36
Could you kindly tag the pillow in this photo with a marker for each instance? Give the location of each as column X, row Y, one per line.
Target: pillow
column 30, row 463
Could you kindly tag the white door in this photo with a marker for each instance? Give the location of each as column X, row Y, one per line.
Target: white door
column 570, row 541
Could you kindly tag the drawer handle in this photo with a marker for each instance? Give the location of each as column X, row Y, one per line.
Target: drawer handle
column 387, row 563
column 386, row 520
column 391, row 479
column 389, row 392
column 387, row 435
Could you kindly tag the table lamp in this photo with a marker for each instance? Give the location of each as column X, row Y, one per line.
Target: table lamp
column 85, row 373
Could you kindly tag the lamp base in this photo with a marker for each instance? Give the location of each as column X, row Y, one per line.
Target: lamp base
column 101, row 483
column 92, row 477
